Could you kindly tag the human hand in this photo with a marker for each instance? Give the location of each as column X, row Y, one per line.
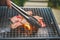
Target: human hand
column 6, row 2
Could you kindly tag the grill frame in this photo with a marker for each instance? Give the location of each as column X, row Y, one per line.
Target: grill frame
column 42, row 37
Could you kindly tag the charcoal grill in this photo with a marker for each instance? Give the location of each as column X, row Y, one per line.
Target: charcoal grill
column 50, row 32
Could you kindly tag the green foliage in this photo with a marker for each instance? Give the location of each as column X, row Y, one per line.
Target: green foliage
column 19, row 2
column 54, row 3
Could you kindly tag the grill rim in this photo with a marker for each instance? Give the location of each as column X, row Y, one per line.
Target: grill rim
column 33, row 38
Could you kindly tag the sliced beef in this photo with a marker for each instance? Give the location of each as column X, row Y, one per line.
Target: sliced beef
column 19, row 20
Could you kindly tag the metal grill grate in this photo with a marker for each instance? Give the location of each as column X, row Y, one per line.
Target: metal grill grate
column 49, row 32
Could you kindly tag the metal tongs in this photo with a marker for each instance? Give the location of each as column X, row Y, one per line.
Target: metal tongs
column 29, row 18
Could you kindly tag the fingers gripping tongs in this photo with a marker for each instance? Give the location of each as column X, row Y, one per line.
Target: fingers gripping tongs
column 29, row 18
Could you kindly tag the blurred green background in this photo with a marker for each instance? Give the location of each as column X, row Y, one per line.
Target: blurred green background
column 19, row 2
column 54, row 3
column 51, row 3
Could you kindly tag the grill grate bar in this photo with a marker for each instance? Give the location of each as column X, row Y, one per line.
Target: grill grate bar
column 54, row 22
column 48, row 21
column 44, row 16
column 49, row 24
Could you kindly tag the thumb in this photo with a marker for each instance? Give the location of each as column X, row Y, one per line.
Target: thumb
column 8, row 3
